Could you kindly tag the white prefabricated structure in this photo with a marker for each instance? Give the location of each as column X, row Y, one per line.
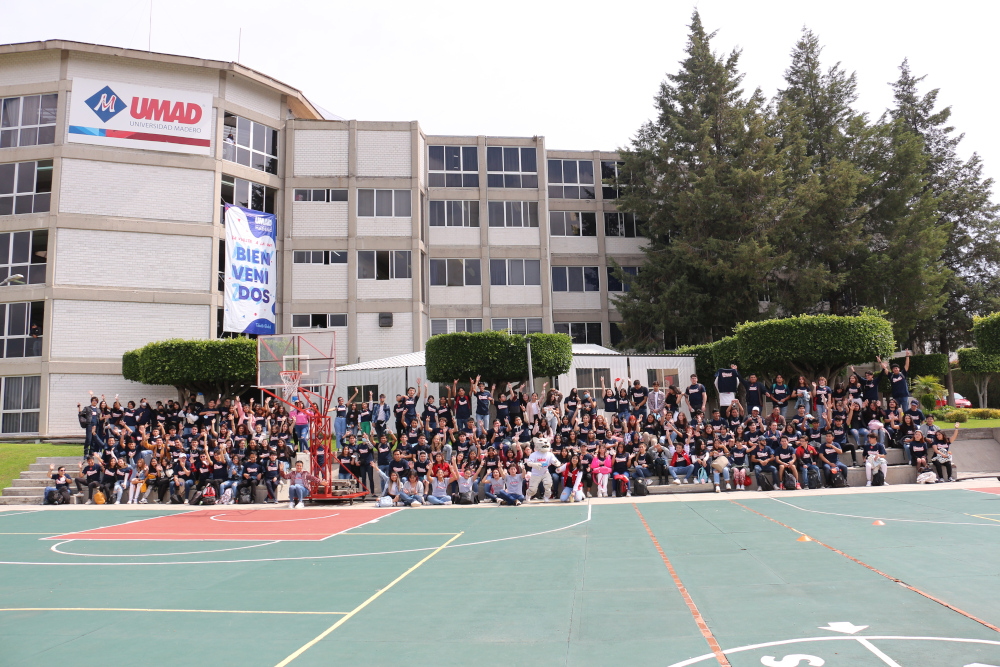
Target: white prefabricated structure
column 392, row 375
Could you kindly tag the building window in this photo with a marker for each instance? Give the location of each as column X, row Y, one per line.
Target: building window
column 241, row 192
column 616, row 333
column 572, row 223
column 24, row 254
column 383, row 264
column 25, row 187
column 571, row 179
column 513, row 213
column 581, row 332
column 575, row 279
column 589, row 379
column 620, row 224
column 250, row 144
column 364, row 391
column 453, row 166
column 319, row 257
column 609, row 176
column 20, row 404
column 517, row 325
column 515, row 272
column 455, row 272
column 665, row 376
column 615, row 285
column 318, row 320
column 454, row 213
column 511, row 167
column 21, row 325
column 471, row 325
column 384, row 203
column 28, row 121
column 320, row 195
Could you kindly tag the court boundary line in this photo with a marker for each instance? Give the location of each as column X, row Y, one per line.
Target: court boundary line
column 878, row 652
column 305, row 647
column 877, row 571
column 699, row 620
column 882, row 518
column 174, row 611
column 297, row 558
column 54, row 549
column 213, row 517
column 784, row 642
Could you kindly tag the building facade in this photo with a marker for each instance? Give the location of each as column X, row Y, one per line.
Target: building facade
column 386, row 235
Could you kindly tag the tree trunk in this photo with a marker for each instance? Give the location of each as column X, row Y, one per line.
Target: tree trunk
column 982, row 383
column 949, row 382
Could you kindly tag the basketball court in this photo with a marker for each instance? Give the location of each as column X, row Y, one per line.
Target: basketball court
column 880, row 577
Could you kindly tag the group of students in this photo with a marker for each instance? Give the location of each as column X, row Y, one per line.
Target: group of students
column 479, row 445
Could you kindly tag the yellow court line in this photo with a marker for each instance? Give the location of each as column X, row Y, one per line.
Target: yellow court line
column 980, row 516
column 364, row 604
column 175, row 611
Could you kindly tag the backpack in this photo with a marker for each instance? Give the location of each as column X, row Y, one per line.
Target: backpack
column 465, row 498
column 926, row 478
column 84, row 421
column 764, row 482
column 789, row 482
column 878, row 479
column 640, row 488
column 837, row 480
column 196, row 498
column 176, row 499
column 244, row 496
column 99, row 498
column 814, row 479
column 227, row 496
column 702, row 475
column 621, row 482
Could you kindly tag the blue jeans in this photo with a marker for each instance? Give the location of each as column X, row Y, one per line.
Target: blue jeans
column 687, row 471
column 93, row 442
column 640, row 413
column 483, row 422
column 804, row 473
column 409, row 500
column 435, row 500
column 340, row 428
column 302, row 436
column 642, row 473
column 860, row 436
column 297, row 493
column 724, row 475
column 566, row 493
column 510, row 498
column 907, row 452
column 821, row 412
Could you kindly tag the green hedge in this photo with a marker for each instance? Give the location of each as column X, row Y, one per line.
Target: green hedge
column 926, row 364
column 987, row 333
column 814, row 345
column 972, row 360
column 704, row 365
column 496, row 356
column 224, row 366
column 725, row 352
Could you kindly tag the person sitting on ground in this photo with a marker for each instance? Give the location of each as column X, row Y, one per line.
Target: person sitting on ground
column 874, row 455
column 511, row 495
column 392, row 486
column 412, row 493
column 492, row 485
column 59, row 493
column 299, row 482
column 941, row 448
column 436, row 489
column 572, row 475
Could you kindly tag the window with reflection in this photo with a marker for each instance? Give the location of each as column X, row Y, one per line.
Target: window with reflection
column 250, row 144
column 511, row 167
column 453, row 166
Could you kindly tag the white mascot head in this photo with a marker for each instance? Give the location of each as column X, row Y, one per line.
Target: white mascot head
column 541, row 444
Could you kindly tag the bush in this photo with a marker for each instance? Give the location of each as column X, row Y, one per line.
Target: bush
column 725, row 353
column 927, row 364
column 987, row 333
column 496, row 356
column 983, row 413
column 226, row 366
column 960, row 416
column 704, row 365
column 929, row 402
column 814, row 345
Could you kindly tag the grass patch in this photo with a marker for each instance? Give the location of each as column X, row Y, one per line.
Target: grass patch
column 15, row 457
column 982, row 423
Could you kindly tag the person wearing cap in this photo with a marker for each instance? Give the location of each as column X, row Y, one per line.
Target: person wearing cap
column 898, row 381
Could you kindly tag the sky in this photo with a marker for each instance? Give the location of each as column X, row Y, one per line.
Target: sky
column 581, row 74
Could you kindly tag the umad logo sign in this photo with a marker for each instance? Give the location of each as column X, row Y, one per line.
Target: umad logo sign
column 106, row 104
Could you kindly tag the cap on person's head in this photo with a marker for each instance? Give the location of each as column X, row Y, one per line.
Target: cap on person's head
column 755, row 409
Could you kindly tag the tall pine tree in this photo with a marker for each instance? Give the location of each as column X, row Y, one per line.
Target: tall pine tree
column 705, row 178
column 964, row 209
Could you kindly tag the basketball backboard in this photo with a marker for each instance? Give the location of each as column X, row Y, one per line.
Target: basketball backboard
column 312, row 354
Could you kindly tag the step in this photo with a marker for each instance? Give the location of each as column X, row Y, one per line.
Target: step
column 40, row 483
column 24, row 491
column 20, row 500
column 40, row 474
column 974, row 433
column 72, row 466
column 58, row 460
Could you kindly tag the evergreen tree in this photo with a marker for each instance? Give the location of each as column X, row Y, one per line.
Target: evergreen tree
column 964, row 209
column 821, row 135
column 707, row 182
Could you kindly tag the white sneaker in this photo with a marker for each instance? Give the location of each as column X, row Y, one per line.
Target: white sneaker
column 300, row 505
column 89, row 502
column 884, row 483
column 868, row 483
column 291, row 504
column 675, row 481
column 728, row 487
column 739, row 487
column 628, row 494
column 185, row 501
column 717, row 489
column 416, row 503
column 143, row 501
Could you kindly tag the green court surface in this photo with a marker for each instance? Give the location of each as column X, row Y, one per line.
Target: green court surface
column 580, row 584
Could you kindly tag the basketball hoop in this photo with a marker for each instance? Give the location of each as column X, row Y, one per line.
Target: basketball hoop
column 290, row 382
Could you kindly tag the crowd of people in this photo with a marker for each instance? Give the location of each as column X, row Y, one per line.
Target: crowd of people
column 479, row 445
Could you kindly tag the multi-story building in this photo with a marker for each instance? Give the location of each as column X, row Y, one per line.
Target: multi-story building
column 386, row 235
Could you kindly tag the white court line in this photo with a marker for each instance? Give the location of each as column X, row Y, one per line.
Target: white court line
column 328, row 557
column 375, row 520
column 214, row 517
column 16, row 512
column 882, row 518
column 182, row 553
column 115, row 525
column 784, row 642
column 881, row 656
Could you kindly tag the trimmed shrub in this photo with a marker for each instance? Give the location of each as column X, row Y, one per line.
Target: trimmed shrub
column 927, row 364
column 814, row 345
column 226, row 366
column 496, row 356
column 987, row 333
column 960, row 416
column 704, row 365
column 725, row 353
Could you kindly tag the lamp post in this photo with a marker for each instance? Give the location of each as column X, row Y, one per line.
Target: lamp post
column 9, row 279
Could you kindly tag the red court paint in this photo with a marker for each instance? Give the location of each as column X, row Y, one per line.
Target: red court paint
column 236, row 524
column 995, row 490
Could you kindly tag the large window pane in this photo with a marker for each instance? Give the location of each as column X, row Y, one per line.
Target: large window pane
column 494, row 159
column 594, row 336
column 12, row 393
column 439, row 272
column 470, row 158
column 574, row 275
column 437, row 213
column 532, row 272
column 586, row 172
column 588, row 223
column 366, row 203
column 435, row 158
column 383, row 203
column 401, row 267
column 402, row 203
column 498, row 272
column 528, row 160
column 557, row 223
column 472, row 272
column 366, row 264
column 591, row 279
column 456, row 273
column 510, row 159
column 559, row 283
column 515, row 272
column 496, row 213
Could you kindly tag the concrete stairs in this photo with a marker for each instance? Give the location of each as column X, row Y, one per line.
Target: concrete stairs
column 29, row 487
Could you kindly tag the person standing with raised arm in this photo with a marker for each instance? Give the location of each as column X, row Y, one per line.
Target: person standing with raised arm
column 898, row 380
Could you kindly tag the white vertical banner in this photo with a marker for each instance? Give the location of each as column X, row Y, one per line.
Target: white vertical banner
column 251, row 271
